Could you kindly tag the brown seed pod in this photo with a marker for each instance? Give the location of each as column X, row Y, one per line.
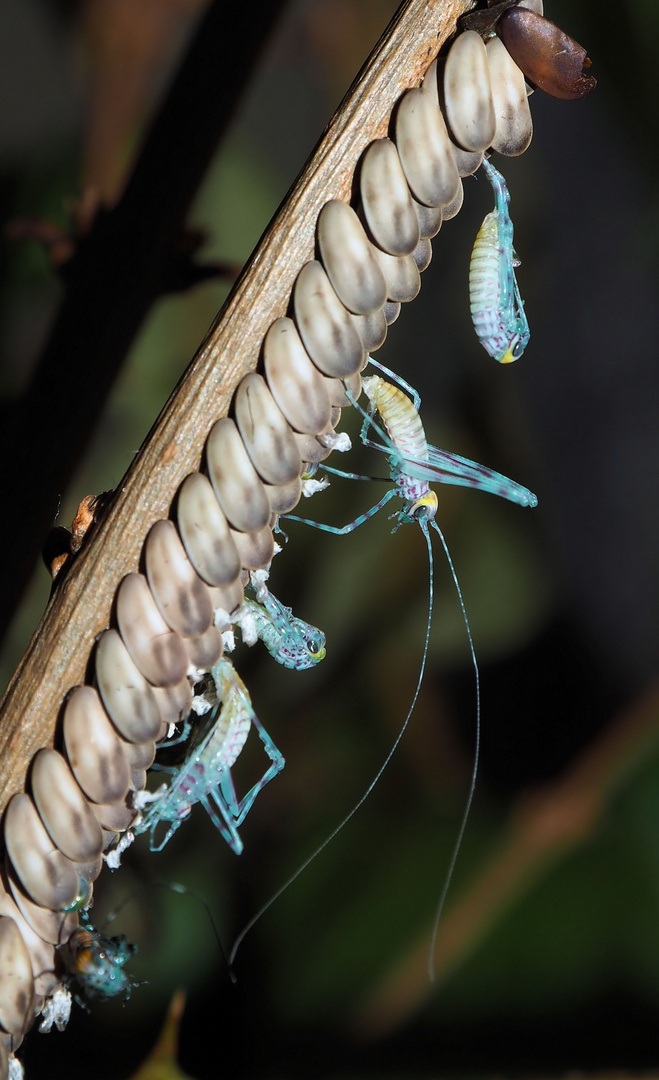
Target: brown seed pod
column 88, row 513
column 484, row 20
column 547, row 56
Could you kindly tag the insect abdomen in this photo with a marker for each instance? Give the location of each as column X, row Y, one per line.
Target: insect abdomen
column 399, row 416
column 484, row 288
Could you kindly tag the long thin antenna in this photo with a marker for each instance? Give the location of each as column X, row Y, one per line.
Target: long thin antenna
column 182, row 890
column 474, row 771
column 262, row 910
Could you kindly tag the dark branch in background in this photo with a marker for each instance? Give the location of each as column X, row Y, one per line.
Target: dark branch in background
column 131, row 256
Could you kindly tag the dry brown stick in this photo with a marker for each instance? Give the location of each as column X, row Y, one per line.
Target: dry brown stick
column 545, row 824
column 58, row 654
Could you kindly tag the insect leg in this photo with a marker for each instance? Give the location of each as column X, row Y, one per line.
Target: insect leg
column 240, row 809
column 351, row 525
column 225, row 824
column 168, row 835
column 347, row 475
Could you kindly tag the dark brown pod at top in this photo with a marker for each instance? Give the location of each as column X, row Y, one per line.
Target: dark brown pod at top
column 549, row 58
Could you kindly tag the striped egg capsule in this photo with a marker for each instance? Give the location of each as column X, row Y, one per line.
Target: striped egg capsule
column 43, row 960
column 63, row 808
column 141, row 756
column 236, row 483
column 455, row 207
column 402, row 277
column 337, row 390
column 372, row 329
column 127, row 696
column 326, row 327
column 182, row 597
column 205, row 531
column 422, row 255
column 176, row 701
column 205, row 651
column 41, row 951
column 297, row 385
column 114, row 817
column 311, row 449
column 349, row 259
column 511, row 105
column 284, row 497
column 467, row 94
column 89, row 871
column 43, row 871
column 17, row 984
column 430, row 221
column 12, row 1043
column 386, row 199
column 138, row 779
column 265, row 431
column 255, row 548
column 155, row 650
column 391, row 311
column 50, row 927
column 93, row 747
column 229, row 598
column 549, row 58
column 425, row 148
column 467, row 163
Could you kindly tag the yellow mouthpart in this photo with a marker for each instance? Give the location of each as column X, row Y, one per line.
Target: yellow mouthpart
column 507, row 357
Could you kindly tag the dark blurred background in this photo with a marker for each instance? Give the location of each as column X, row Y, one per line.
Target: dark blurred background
column 548, row 953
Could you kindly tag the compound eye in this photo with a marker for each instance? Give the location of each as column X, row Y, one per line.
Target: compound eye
column 518, row 350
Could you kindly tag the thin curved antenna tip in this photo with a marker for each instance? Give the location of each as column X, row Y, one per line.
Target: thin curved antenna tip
column 474, row 771
column 183, row 890
column 262, row 910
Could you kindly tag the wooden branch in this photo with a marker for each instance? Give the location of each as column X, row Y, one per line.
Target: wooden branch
column 58, row 655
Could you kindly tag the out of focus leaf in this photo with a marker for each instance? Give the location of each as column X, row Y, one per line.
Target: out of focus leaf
column 161, row 1063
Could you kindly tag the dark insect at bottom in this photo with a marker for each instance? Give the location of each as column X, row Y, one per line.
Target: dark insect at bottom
column 95, row 962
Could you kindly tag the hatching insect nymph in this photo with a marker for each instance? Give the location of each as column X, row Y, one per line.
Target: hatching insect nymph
column 205, row 776
column 96, row 962
column 497, row 309
column 290, row 641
